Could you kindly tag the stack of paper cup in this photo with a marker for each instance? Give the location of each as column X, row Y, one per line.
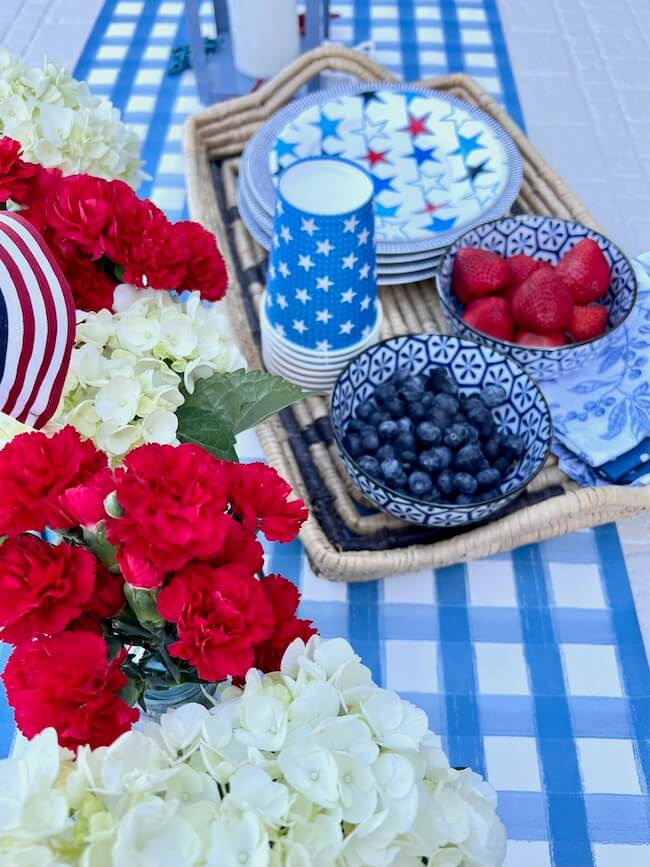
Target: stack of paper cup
column 320, row 308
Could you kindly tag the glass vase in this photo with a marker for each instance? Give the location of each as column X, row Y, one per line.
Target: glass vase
column 159, row 701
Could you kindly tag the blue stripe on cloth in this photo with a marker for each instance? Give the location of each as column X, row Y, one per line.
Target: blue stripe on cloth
column 510, row 95
column 87, row 60
column 361, row 29
column 7, row 727
column 463, row 738
column 451, row 30
column 567, row 816
column 632, row 660
column 409, row 40
column 130, row 65
column 363, row 625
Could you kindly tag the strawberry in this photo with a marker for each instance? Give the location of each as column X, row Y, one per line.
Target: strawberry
column 588, row 322
column 477, row 273
column 491, row 316
column 529, row 338
column 521, row 267
column 542, row 303
column 584, row 271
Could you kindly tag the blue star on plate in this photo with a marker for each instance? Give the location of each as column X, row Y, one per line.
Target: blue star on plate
column 384, row 211
column 369, row 96
column 439, row 225
column 474, row 171
column 328, row 126
column 285, row 148
column 422, row 155
column 467, row 145
column 383, row 185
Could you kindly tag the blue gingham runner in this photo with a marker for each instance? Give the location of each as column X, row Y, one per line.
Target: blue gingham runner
column 530, row 664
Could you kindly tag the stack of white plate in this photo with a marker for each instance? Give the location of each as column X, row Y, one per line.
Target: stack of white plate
column 439, row 167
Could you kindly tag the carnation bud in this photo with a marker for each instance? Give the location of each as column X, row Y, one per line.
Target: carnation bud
column 112, row 506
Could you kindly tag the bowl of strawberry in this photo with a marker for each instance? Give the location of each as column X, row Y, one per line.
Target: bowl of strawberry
column 548, row 293
column 439, row 431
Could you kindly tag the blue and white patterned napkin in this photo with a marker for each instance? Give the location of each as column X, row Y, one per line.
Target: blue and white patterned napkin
column 601, row 412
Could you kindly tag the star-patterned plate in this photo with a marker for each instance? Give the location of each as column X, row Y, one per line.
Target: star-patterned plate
column 439, row 165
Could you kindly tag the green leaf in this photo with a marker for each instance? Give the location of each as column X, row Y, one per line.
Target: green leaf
column 206, row 428
column 130, row 693
column 143, row 603
column 244, row 398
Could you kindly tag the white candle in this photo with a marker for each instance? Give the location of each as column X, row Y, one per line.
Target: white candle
column 264, row 35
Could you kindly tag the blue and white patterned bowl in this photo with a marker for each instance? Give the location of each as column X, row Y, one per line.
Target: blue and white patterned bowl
column 472, row 367
column 546, row 239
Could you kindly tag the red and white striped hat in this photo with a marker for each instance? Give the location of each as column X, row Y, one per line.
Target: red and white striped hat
column 37, row 324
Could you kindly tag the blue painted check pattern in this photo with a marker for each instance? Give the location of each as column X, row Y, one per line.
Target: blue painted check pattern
column 531, row 663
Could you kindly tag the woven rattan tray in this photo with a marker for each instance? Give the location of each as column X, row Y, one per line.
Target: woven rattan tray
column 344, row 542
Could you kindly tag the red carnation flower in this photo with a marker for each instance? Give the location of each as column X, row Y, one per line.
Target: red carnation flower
column 84, row 504
column 240, row 548
column 91, row 286
column 35, row 470
column 42, row 587
column 284, row 598
column 142, row 241
column 220, row 614
column 258, row 496
column 206, row 269
column 107, row 601
column 16, row 176
column 67, row 682
column 82, row 209
column 173, row 499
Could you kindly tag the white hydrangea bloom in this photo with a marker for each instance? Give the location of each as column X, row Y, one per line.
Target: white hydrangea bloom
column 60, row 124
column 313, row 766
column 127, row 368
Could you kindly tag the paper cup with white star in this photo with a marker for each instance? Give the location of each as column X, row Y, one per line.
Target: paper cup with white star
column 321, row 290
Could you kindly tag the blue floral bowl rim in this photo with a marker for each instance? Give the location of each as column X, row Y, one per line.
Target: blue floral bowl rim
column 256, row 154
column 471, row 344
column 521, row 217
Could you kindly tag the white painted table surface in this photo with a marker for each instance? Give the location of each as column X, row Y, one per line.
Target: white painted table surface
column 582, row 70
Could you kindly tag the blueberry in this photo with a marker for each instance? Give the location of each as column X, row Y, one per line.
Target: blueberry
column 408, row 458
column 503, row 465
column 490, row 494
column 446, row 482
column 369, row 465
column 493, row 395
column 401, row 376
column 492, row 448
column 377, row 417
column 456, row 435
column 366, row 409
column 488, row 478
column 385, row 453
column 395, row 407
column 388, row 430
column 513, row 446
column 412, row 389
column 436, row 459
column 355, row 426
column 369, row 441
column 469, row 459
column 474, row 434
column 440, row 418
column 465, row 500
column 487, row 429
column 464, row 483
column 439, row 381
column 405, row 425
column 417, row 411
column 471, row 400
column 385, row 392
column 391, row 469
column 405, row 442
column 352, row 444
column 428, row 432
column 478, row 414
column 447, row 402
column 427, row 400
column 419, row 483
column 434, row 495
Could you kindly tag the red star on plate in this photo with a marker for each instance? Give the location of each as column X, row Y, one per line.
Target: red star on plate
column 375, row 157
column 429, row 207
column 417, row 125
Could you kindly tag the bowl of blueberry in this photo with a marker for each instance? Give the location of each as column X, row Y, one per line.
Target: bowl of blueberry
column 439, row 431
column 548, row 293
